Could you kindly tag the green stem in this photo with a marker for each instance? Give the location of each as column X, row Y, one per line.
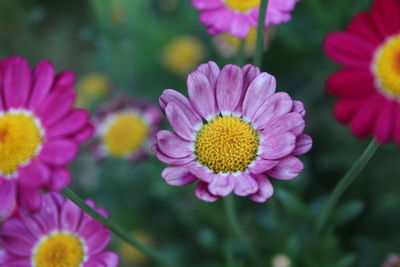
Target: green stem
column 230, row 211
column 116, row 229
column 341, row 187
column 260, row 33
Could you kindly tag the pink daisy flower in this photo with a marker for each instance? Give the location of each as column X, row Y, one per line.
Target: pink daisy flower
column 368, row 85
column 39, row 132
column 59, row 234
column 238, row 16
column 232, row 131
column 126, row 128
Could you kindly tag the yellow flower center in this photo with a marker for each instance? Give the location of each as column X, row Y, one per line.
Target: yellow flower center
column 242, row 5
column 21, row 137
column 59, row 250
column 387, row 66
column 226, row 144
column 124, row 134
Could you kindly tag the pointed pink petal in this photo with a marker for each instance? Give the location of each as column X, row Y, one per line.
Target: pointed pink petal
column 71, row 123
column 277, row 146
column 211, row 71
column 180, row 122
column 172, row 145
column 201, row 95
column 43, row 77
column 59, row 152
column 70, row 216
column 262, row 165
column 229, row 88
column 17, row 82
column 7, row 196
column 178, row 175
column 98, row 241
column 287, row 169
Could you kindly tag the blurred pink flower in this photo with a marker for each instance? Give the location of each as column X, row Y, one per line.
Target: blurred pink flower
column 59, row 234
column 125, row 128
column 237, row 16
column 232, row 131
column 40, row 131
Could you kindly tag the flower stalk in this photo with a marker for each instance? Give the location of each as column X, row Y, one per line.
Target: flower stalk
column 342, row 186
column 116, row 229
column 260, row 33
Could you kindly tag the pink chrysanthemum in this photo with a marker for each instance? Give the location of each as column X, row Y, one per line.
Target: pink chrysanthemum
column 59, row 234
column 237, row 16
column 368, row 86
column 126, row 128
column 39, row 132
column 233, row 130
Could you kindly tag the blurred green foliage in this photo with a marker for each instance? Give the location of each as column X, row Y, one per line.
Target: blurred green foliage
column 125, row 40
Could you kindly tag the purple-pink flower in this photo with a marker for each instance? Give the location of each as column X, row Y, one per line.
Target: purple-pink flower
column 126, row 128
column 40, row 131
column 237, row 16
column 232, row 132
column 59, row 234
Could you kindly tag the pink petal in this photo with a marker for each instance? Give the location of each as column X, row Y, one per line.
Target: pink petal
column 229, row 88
column 34, row 175
column 7, row 196
column 59, row 152
column 108, row 258
column 275, row 106
column 259, row 90
column 180, row 122
column 18, row 229
column 298, row 107
column 172, row 161
column 385, row 123
column 172, row 96
column 19, row 245
column 245, row 185
column 43, row 77
column 33, row 223
column 84, row 134
column 290, row 122
column 64, row 79
column 363, row 25
column 71, row 123
column 362, row 121
column 240, row 27
column 60, row 179
column 70, row 216
column 265, row 189
column 345, row 108
column 30, row 199
column 49, row 212
column 17, row 82
column 351, row 82
column 56, row 106
column 287, row 169
column 206, row 4
column 277, row 146
column 201, row 95
column 262, row 165
column 222, row 184
column 178, row 175
column 201, row 172
column 303, row 144
column 211, row 71
column 386, row 15
column 201, row 192
column 349, row 50
column 172, row 145
column 98, row 241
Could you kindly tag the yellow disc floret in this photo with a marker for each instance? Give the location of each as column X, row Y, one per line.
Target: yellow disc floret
column 242, row 5
column 59, row 250
column 124, row 134
column 20, row 140
column 387, row 67
column 226, row 144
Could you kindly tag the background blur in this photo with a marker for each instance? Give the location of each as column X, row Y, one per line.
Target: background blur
column 141, row 47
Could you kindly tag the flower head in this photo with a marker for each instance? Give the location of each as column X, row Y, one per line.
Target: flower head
column 39, row 132
column 237, row 16
column 59, row 234
column 368, row 86
column 91, row 88
column 232, row 131
column 183, row 54
column 125, row 128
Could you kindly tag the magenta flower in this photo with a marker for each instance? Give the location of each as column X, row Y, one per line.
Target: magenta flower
column 39, row 132
column 59, row 234
column 126, row 128
column 233, row 130
column 237, row 16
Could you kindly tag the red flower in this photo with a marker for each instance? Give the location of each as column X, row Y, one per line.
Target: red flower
column 368, row 85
